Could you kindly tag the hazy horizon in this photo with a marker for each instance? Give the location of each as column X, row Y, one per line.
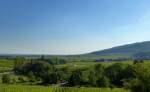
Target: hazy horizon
column 66, row 27
column 70, row 54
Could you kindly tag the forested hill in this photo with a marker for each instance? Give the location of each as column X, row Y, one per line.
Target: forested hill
column 129, row 49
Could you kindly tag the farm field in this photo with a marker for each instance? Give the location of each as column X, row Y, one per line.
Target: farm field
column 22, row 88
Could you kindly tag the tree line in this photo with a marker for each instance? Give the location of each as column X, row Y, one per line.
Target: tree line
column 134, row 76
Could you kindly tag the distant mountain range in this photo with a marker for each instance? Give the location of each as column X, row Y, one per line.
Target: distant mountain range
column 140, row 50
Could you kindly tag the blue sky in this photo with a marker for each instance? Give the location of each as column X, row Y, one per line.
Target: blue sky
column 71, row 26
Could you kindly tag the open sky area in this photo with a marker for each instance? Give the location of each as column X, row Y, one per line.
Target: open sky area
column 71, row 26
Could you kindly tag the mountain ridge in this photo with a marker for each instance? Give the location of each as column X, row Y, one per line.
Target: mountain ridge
column 129, row 49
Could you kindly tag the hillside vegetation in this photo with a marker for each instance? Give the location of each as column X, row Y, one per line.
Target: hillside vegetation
column 75, row 76
column 126, row 51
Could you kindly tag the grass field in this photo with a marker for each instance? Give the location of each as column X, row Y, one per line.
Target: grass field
column 23, row 88
column 6, row 63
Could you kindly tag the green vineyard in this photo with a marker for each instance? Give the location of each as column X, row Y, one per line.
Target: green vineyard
column 21, row 88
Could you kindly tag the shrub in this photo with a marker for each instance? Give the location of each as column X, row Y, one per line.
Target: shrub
column 6, row 79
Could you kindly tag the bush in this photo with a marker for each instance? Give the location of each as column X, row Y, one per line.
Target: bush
column 103, row 82
column 6, row 79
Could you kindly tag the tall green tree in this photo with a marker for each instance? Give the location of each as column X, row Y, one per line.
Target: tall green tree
column 141, row 83
column 115, row 74
column 76, row 78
